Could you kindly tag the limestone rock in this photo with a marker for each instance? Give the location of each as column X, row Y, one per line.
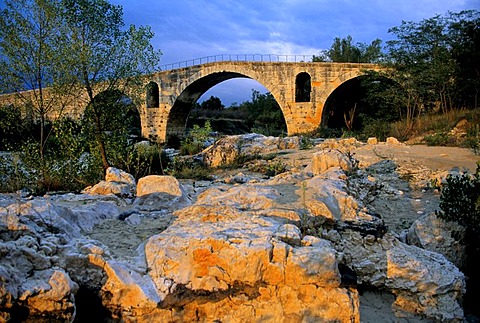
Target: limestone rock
column 393, row 141
column 159, row 184
column 120, row 176
column 49, row 293
column 227, row 149
column 424, row 282
column 105, row 188
column 432, row 233
column 372, row 141
column 343, row 145
column 328, row 158
column 245, row 273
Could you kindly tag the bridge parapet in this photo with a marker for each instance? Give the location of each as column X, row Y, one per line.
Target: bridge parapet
column 237, row 58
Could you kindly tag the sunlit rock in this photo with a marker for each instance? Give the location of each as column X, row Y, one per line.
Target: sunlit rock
column 244, row 263
column 226, row 150
column 329, row 158
column 159, row 184
column 117, row 175
column 106, row 188
column 432, row 233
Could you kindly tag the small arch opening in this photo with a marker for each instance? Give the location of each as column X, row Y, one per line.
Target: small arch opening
column 303, row 87
column 153, row 95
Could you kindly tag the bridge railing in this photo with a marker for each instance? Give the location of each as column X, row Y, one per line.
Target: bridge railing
column 238, row 58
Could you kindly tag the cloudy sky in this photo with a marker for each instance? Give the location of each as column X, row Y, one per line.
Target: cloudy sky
column 190, row 29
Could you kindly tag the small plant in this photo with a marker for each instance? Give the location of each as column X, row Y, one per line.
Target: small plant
column 275, row 168
column 305, row 143
column 189, row 169
column 439, row 139
column 473, row 139
column 195, row 141
column 460, row 201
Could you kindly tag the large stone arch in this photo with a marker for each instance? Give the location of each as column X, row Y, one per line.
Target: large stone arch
column 344, row 97
column 192, row 89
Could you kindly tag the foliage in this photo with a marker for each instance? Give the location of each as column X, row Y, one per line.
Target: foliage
column 11, row 127
column 106, row 58
column 344, row 51
column 195, row 141
column 460, row 200
column 275, row 167
column 261, row 114
column 440, row 139
column 32, row 56
column 144, row 159
column 372, row 127
column 305, row 142
column 189, row 169
column 264, row 114
column 212, row 104
column 473, row 138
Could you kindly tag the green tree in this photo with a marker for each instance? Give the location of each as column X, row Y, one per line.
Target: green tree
column 422, row 63
column 107, row 57
column 344, row 51
column 464, row 39
column 213, row 103
column 264, row 114
column 32, row 48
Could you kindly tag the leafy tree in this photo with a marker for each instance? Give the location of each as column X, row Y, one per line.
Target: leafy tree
column 106, row 57
column 264, row 114
column 11, row 130
column 422, row 62
column 464, row 39
column 213, row 103
column 32, row 48
column 344, row 51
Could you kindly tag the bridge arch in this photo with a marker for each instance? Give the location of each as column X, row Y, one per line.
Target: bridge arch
column 192, row 89
column 349, row 100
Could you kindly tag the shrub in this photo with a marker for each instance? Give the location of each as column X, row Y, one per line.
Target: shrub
column 440, row 139
column 195, row 141
column 188, row 168
column 460, row 201
column 472, row 140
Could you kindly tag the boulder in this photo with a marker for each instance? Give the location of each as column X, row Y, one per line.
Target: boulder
column 49, row 294
column 432, row 233
column 159, row 184
column 329, row 158
column 425, row 283
column 343, row 145
column 372, row 141
column 245, row 269
column 226, row 150
column 120, row 176
column 393, row 141
column 106, row 188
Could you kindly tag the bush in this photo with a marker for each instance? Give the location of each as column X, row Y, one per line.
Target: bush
column 440, row 139
column 195, row 141
column 189, row 168
column 460, row 201
column 375, row 128
column 472, row 140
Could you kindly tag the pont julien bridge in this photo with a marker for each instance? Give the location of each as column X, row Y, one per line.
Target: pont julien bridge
column 300, row 88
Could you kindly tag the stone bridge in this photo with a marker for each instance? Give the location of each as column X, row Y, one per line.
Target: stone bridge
column 300, row 88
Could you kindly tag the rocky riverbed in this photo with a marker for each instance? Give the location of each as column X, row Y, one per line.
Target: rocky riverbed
column 346, row 233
